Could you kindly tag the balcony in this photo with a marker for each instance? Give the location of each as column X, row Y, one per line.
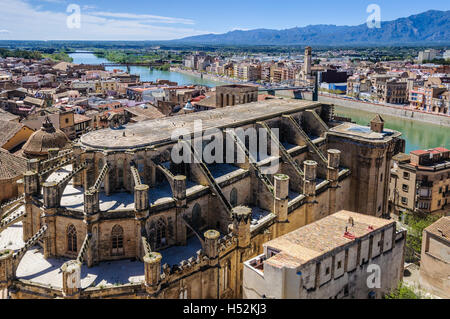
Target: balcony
column 425, row 184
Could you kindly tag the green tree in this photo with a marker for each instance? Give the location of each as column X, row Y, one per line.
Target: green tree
column 416, row 225
column 403, row 292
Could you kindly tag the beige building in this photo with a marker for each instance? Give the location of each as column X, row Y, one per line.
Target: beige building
column 342, row 256
column 435, row 259
column 234, row 94
column 392, row 91
column 187, row 226
column 420, row 182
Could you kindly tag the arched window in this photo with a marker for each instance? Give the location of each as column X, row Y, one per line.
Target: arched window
column 197, row 216
column 157, row 234
column 161, row 234
column 71, row 239
column 234, row 197
column 117, row 241
column 183, row 293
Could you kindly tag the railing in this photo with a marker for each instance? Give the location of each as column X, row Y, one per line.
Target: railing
column 45, row 164
column 146, row 245
column 166, row 173
column 5, row 223
column 211, row 180
column 319, row 119
column 252, row 160
column 135, row 173
column 283, row 150
column 307, row 139
column 84, row 248
column 65, row 181
column 11, row 206
column 45, row 174
column 101, row 177
column 30, row 243
column 11, row 202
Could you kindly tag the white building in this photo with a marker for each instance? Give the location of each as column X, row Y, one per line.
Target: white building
column 344, row 255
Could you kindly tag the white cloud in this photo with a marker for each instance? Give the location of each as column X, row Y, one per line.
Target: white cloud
column 147, row 17
column 26, row 22
column 4, row 31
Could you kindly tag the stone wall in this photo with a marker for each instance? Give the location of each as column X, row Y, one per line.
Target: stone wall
column 385, row 110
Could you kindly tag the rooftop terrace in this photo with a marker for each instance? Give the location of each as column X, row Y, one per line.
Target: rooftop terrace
column 313, row 240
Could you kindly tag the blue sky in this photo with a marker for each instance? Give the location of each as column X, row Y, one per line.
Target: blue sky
column 172, row 19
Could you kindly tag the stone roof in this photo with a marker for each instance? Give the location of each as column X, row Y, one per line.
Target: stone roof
column 149, row 112
column 11, row 166
column 153, row 132
column 46, row 138
column 377, row 119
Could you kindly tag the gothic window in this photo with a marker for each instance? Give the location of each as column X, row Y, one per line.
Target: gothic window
column 71, row 239
column 183, row 293
column 234, row 197
column 157, row 235
column 117, row 241
column 169, row 227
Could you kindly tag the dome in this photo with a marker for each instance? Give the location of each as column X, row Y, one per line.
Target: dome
column 188, row 106
column 46, row 138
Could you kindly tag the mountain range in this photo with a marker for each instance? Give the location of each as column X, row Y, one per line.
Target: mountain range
column 430, row 27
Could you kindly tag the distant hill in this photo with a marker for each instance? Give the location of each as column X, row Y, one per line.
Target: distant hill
column 428, row 27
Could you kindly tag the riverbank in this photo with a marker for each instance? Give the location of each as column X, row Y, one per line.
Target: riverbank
column 406, row 113
column 210, row 77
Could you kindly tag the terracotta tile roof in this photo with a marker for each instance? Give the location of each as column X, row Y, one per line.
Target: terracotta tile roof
column 440, row 228
column 11, row 166
column 7, row 130
column 148, row 113
column 79, row 118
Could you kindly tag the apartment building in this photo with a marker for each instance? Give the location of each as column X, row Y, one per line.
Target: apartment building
column 430, row 99
column 247, row 72
column 357, row 85
column 391, row 91
column 420, row 182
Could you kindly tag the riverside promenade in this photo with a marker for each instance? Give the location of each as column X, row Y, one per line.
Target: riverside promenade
column 397, row 111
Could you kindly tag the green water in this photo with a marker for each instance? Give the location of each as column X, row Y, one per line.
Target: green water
column 418, row 135
column 146, row 73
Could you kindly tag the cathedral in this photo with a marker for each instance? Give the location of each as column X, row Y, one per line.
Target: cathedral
column 116, row 216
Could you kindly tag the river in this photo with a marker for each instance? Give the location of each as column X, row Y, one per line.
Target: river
column 418, row 135
column 146, row 73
